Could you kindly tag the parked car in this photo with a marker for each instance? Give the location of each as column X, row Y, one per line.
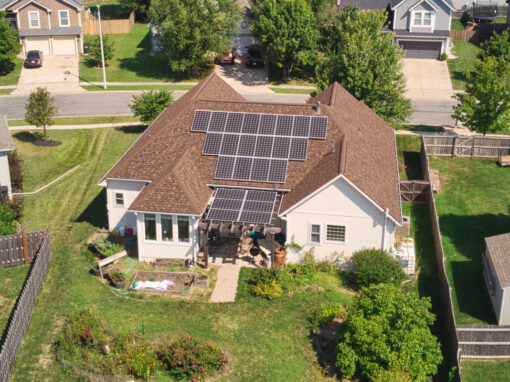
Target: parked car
column 227, row 58
column 254, row 58
column 34, row 59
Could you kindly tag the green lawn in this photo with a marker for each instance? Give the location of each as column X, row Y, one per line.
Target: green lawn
column 457, row 25
column 466, row 53
column 6, row 91
column 266, row 340
column 473, row 205
column 12, row 77
column 301, row 77
column 11, row 280
column 110, row 11
column 81, row 120
column 133, row 60
column 493, row 371
column 137, row 87
column 291, row 91
column 417, row 128
column 408, row 152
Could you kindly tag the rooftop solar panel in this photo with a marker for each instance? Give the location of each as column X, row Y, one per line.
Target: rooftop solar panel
column 242, row 168
column 318, row 127
column 264, row 146
column 234, row 122
column 277, row 171
column 281, row 147
column 298, row 149
column 218, row 119
column 224, row 167
column 247, row 145
column 260, row 170
column 301, row 126
column 200, row 120
column 267, row 124
column 230, row 193
column 212, row 144
column 284, row 125
column 250, row 124
column 229, row 144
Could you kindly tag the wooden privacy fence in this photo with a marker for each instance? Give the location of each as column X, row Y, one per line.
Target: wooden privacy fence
column 501, row 10
column 486, row 342
column 90, row 24
column 467, row 146
column 464, row 35
column 19, row 249
column 20, row 317
column 414, row 191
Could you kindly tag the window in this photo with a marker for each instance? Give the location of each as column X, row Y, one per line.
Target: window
column 150, row 226
column 422, row 19
column 167, row 231
column 183, row 228
column 335, row 233
column 119, row 199
column 63, row 17
column 315, row 233
column 34, row 19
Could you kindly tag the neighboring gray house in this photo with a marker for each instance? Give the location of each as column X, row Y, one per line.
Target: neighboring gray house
column 6, row 146
column 421, row 27
column 496, row 271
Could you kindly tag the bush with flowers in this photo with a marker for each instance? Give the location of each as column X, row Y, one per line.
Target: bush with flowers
column 140, row 361
column 191, row 359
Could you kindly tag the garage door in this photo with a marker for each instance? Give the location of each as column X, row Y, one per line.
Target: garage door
column 421, row 49
column 64, row 45
column 41, row 43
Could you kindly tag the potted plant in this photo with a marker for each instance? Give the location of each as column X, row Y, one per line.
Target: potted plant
column 118, row 279
column 201, row 281
column 279, row 256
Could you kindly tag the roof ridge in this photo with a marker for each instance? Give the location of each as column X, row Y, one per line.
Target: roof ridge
column 202, row 85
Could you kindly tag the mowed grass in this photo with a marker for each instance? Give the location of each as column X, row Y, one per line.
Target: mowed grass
column 474, row 204
column 12, row 77
column 494, row 371
column 408, row 153
column 266, row 340
column 11, row 280
column 133, row 60
column 99, row 88
column 80, row 120
column 466, row 53
column 6, row 91
column 291, row 90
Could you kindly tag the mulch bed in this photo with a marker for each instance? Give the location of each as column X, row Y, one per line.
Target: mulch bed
column 46, row 143
column 179, row 278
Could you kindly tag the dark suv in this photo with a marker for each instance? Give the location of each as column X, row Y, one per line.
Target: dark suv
column 34, row 59
column 254, row 58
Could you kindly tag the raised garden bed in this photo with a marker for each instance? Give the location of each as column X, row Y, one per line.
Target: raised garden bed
column 201, row 281
column 182, row 281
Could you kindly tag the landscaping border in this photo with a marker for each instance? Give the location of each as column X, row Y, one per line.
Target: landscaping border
column 17, row 326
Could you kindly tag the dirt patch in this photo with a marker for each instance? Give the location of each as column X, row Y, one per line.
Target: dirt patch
column 181, row 280
column 46, row 143
column 45, row 358
column 435, row 181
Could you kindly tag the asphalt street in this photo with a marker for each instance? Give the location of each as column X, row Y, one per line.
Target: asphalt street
column 427, row 112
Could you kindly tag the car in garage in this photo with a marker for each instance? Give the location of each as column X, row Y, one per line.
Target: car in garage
column 34, row 59
column 254, row 58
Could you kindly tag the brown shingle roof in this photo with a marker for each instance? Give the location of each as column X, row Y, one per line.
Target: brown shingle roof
column 170, row 155
column 499, row 249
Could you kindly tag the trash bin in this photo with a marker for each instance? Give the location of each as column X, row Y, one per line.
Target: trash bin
column 86, row 47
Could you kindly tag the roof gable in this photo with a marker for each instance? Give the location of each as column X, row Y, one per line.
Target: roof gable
column 397, row 3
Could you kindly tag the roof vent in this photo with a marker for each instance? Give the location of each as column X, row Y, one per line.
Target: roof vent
column 318, row 108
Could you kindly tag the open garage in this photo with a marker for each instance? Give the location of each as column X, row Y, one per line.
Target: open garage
column 422, row 49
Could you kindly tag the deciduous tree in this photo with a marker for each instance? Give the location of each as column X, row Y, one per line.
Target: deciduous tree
column 497, row 46
column 387, row 334
column 485, row 106
column 191, row 30
column 366, row 62
column 40, row 109
column 288, row 33
column 9, row 45
column 95, row 49
column 149, row 105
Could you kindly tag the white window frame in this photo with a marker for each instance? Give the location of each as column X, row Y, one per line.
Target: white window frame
column 335, row 241
column 310, row 233
column 30, row 13
column 60, row 11
column 117, row 198
column 156, row 228
column 422, row 20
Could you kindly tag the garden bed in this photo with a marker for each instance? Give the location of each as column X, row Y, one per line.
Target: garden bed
column 182, row 281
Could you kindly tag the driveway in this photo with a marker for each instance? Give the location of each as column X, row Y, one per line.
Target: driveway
column 52, row 75
column 243, row 79
column 427, row 79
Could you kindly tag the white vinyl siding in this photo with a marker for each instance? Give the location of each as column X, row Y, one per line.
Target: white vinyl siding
column 33, row 19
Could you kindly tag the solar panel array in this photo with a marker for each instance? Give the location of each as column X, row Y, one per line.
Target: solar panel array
column 238, row 205
column 256, row 147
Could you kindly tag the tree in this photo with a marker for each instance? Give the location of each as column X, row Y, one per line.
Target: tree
column 149, row 105
column 141, row 7
column 192, row 30
column 288, row 33
column 366, row 62
column 9, row 45
column 40, row 109
column 95, row 49
column 485, row 107
column 387, row 333
column 374, row 266
column 497, row 46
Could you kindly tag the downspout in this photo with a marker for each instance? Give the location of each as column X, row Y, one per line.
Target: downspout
column 386, row 214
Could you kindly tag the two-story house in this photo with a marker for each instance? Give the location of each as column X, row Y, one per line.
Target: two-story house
column 421, row 27
column 51, row 26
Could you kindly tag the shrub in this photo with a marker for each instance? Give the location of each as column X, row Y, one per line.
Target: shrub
column 118, row 276
column 16, row 204
column 373, row 266
column 325, row 315
column 15, row 170
column 8, row 223
column 149, row 105
column 106, row 247
column 267, row 289
column 187, row 358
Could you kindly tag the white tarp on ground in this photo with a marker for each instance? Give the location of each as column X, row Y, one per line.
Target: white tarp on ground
column 157, row 285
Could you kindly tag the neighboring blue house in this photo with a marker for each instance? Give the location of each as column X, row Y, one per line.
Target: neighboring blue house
column 421, row 27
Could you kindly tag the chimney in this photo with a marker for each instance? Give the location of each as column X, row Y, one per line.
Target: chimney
column 318, row 108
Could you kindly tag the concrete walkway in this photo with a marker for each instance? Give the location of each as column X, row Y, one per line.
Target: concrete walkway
column 225, row 289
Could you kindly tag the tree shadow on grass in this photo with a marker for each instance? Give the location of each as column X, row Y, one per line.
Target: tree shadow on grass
column 132, row 129
column 95, row 213
column 28, row 136
column 7, row 67
column 413, row 165
column 467, row 234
